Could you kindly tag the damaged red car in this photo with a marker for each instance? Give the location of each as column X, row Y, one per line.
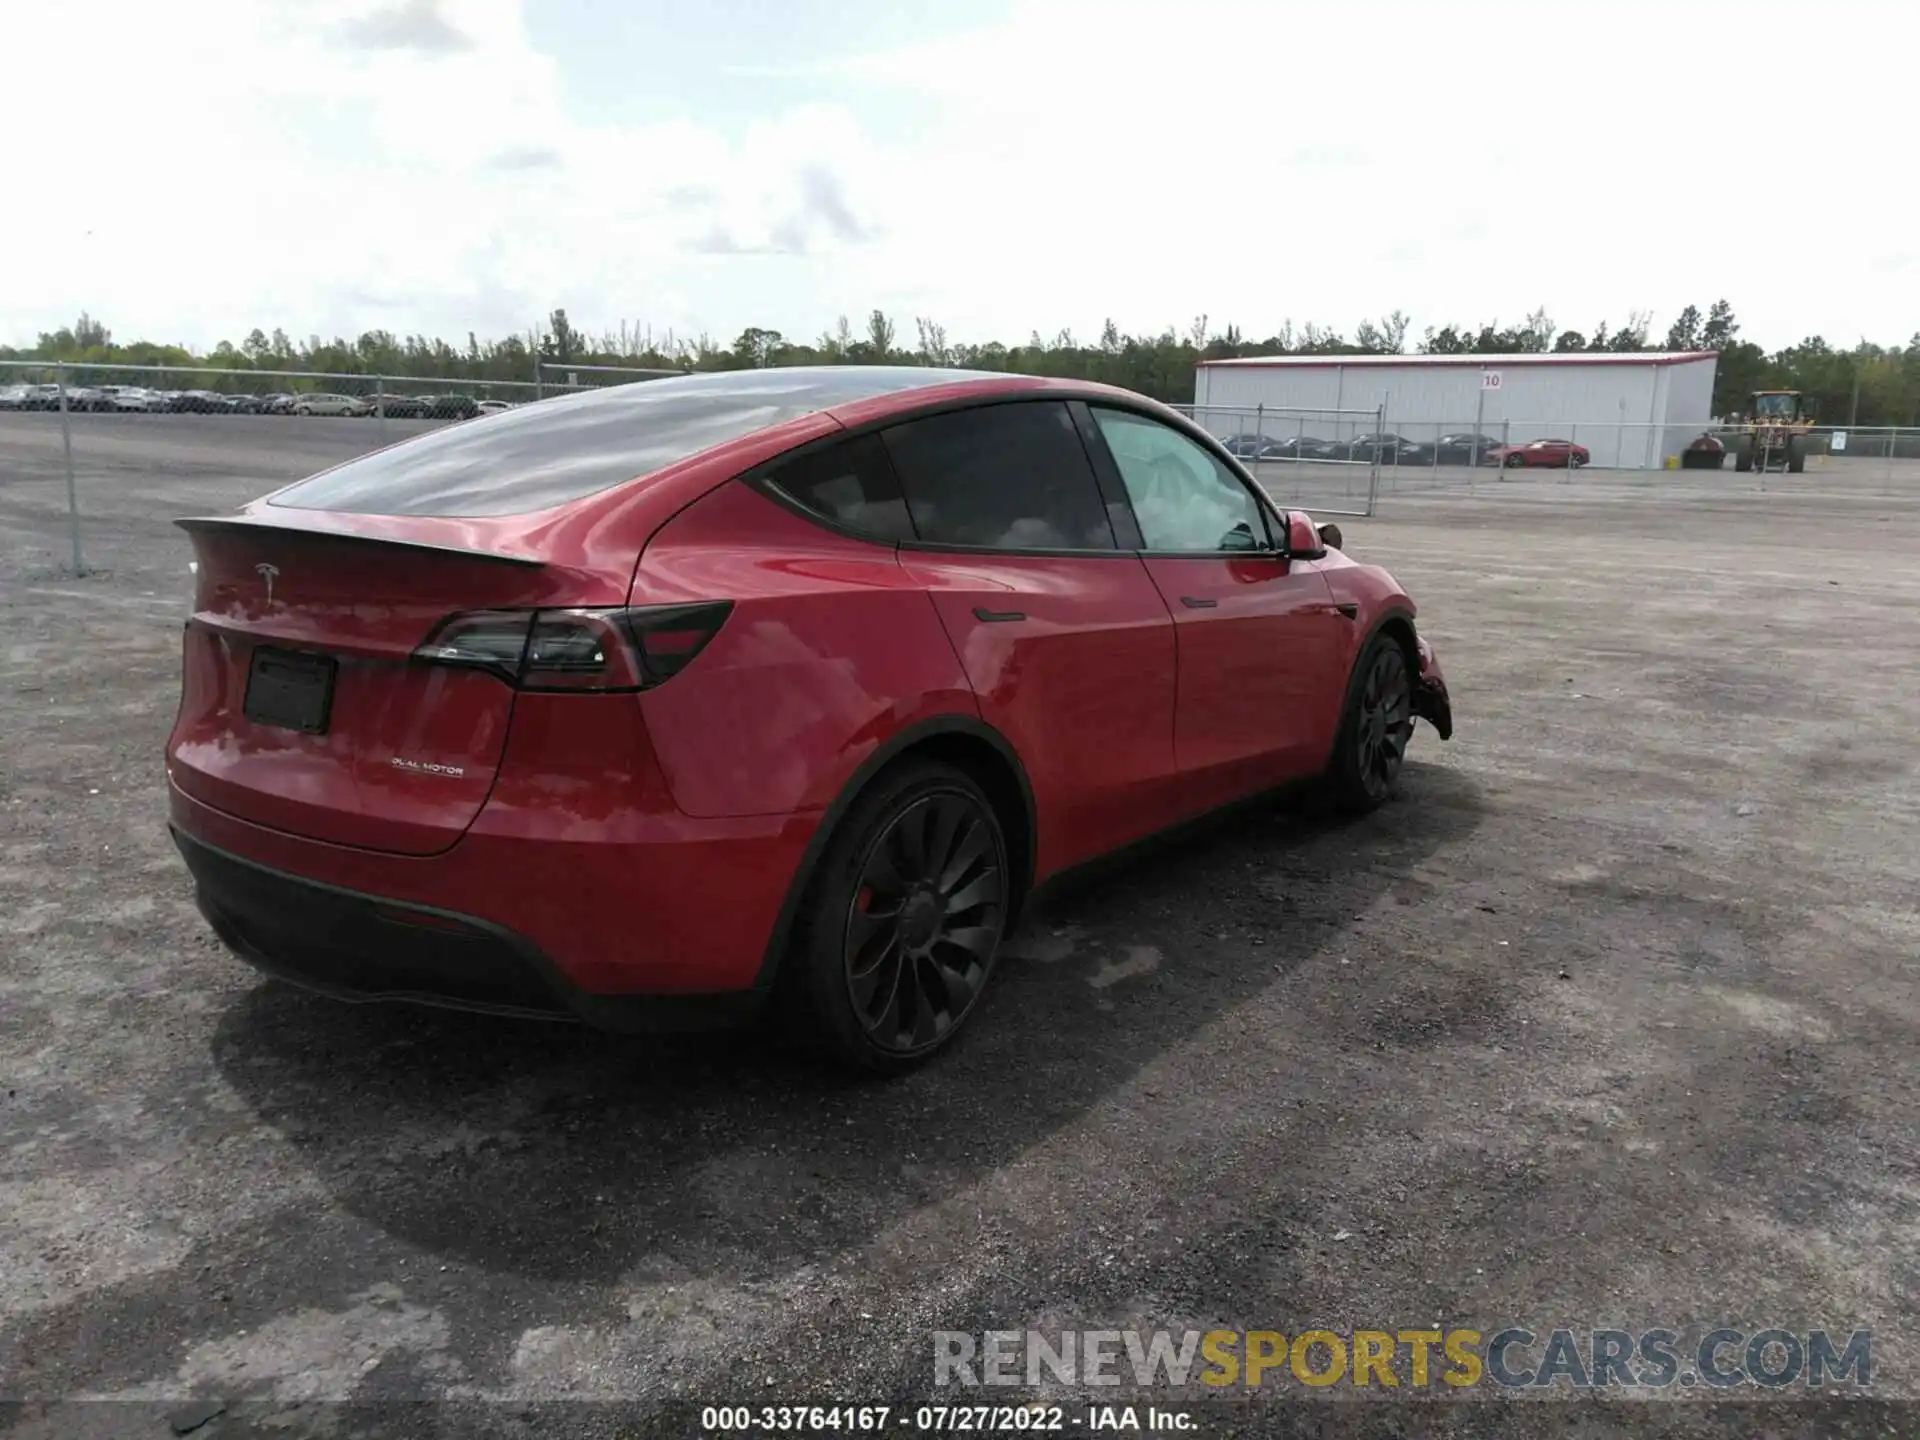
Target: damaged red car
column 664, row 704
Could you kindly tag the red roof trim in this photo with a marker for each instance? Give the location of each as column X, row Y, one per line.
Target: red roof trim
column 1457, row 362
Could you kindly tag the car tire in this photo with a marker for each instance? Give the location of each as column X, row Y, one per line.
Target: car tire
column 1376, row 723
column 1513, row 462
column 901, row 922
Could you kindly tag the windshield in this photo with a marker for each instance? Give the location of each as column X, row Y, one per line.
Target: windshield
column 1776, row 407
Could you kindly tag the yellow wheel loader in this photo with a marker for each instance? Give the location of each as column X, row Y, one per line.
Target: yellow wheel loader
column 1774, row 435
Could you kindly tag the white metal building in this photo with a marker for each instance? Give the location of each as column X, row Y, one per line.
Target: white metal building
column 1628, row 409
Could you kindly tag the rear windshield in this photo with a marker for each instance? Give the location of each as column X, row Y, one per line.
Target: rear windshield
column 546, row 454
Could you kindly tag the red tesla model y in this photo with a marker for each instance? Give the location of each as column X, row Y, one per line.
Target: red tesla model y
column 662, row 703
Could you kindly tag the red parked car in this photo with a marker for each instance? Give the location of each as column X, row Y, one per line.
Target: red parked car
column 655, row 704
column 1559, row 454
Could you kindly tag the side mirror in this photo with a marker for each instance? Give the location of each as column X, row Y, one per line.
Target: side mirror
column 1303, row 540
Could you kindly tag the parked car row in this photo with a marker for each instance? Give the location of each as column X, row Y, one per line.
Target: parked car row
column 1284, row 447
column 136, row 399
column 1387, row 449
column 1463, row 448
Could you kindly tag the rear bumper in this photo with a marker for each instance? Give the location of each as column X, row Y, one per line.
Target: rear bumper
column 359, row 947
column 598, row 912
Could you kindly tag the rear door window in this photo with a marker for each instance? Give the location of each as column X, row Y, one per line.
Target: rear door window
column 1013, row 476
column 851, row 484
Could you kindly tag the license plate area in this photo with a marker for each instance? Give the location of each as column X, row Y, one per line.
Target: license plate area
column 290, row 689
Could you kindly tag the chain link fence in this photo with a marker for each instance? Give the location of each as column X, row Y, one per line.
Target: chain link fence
column 89, row 427
column 1326, row 461
column 554, row 377
column 29, row 385
column 1317, row 458
column 72, row 437
column 1872, row 442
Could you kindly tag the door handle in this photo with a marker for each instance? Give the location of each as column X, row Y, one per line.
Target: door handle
column 1348, row 609
column 997, row 617
column 1197, row 602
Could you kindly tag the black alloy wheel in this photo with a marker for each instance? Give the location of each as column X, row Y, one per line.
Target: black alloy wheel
column 1376, row 727
column 1386, row 721
column 904, row 918
column 924, row 922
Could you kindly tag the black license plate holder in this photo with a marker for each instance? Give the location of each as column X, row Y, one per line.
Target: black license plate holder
column 290, row 689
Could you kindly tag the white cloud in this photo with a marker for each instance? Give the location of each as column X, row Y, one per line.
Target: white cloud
column 344, row 173
column 1258, row 161
column 415, row 166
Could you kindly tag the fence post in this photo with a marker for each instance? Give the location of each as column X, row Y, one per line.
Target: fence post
column 73, row 489
column 537, row 394
column 380, row 408
column 1479, row 418
column 1373, row 475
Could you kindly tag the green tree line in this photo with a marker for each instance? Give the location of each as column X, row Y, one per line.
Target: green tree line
column 1866, row 384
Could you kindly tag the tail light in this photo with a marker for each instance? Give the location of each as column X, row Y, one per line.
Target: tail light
column 615, row 649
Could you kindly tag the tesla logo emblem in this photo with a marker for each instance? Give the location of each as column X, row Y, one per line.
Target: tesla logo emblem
column 267, row 573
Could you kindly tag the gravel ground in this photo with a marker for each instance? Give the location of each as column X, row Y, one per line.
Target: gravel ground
column 1607, row 1021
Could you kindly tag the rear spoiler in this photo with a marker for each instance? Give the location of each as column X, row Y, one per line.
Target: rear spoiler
column 248, row 525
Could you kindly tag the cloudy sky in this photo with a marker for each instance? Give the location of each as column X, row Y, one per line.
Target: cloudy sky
column 187, row 171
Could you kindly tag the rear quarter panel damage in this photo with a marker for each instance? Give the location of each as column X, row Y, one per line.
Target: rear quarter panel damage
column 831, row 648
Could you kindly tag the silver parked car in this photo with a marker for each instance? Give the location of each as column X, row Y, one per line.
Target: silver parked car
column 138, row 400
column 324, row 404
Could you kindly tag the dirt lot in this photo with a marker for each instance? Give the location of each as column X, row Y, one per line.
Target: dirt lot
column 1608, row 1021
